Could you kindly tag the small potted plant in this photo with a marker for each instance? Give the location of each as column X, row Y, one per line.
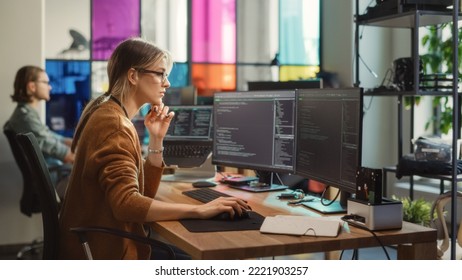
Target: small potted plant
column 416, row 211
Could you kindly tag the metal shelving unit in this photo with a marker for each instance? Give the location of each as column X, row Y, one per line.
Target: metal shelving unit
column 413, row 20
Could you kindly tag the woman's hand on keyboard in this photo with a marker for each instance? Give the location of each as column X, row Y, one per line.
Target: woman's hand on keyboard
column 232, row 205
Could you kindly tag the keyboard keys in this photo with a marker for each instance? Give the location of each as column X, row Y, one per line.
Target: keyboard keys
column 187, row 154
column 205, row 195
column 187, row 151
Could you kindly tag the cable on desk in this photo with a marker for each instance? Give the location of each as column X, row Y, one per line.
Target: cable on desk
column 354, row 256
column 347, row 219
column 323, row 197
column 311, row 229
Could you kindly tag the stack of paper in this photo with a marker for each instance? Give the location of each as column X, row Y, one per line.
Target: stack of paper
column 301, row 225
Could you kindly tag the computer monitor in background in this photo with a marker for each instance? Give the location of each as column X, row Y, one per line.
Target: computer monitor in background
column 188, row 143
column 63, row 113
column 180, row 96
column 255, row 130
column 281, row 85
column 328, row 140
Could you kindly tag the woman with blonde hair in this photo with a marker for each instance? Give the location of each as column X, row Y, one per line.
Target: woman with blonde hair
column 111, row 185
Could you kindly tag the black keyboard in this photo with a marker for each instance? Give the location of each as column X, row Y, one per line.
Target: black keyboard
column 205, row 195
column 187, row 150
column 187, row 154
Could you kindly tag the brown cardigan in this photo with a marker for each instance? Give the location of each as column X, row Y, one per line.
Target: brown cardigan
column 110, row 186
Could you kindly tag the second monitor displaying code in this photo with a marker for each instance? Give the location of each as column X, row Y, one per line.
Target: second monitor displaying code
column 255, row 130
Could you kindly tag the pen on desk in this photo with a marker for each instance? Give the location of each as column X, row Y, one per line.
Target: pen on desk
column 298, row 201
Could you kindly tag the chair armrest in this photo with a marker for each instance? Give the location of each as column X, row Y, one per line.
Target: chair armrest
column 81, row 232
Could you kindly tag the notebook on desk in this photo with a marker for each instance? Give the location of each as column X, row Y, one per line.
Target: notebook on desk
column 301, row 225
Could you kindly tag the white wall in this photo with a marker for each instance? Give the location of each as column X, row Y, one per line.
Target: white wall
column 21, row 26
column 58, row 23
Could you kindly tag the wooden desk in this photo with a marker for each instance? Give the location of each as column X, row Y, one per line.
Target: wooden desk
column 414, row 242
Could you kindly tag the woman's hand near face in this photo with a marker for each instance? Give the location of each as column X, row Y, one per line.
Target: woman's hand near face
column 157, row 121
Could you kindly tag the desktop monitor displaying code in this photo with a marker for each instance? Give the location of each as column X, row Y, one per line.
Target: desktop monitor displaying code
column 329, row 135
column 254, row 130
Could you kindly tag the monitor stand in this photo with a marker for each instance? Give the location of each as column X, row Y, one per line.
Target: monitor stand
column 265, row 184
column 206, row 172
column 336, row 207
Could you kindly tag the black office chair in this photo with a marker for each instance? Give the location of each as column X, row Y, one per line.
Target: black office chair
column 48, row 197
column 29, row 203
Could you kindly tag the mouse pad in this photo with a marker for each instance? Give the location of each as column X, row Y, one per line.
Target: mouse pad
column 253, row 223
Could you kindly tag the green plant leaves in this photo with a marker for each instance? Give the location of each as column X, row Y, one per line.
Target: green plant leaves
column 440, row 56
column 416, row 211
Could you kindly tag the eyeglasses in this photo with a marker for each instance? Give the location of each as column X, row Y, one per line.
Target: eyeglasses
column 162, row 75
column 43, row 82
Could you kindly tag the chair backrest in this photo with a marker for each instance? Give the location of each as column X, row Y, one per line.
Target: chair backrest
column 440, row 222
column 37, row 167
column 29, row 202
